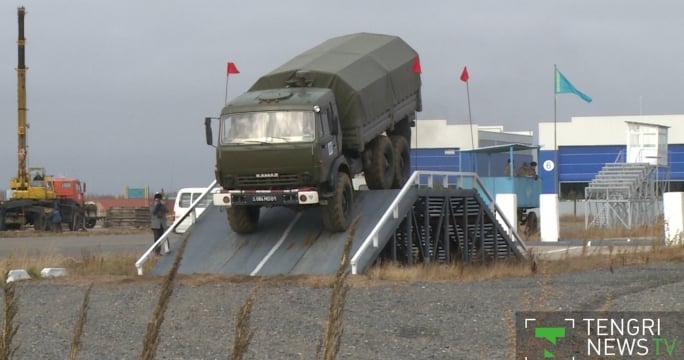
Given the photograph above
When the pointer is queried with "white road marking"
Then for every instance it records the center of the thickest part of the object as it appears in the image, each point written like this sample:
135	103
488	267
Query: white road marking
277	245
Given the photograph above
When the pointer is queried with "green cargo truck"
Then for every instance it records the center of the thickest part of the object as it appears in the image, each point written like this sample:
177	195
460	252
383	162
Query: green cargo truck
301	132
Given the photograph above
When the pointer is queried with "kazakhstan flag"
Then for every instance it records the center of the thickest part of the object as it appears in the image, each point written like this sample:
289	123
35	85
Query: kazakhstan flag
563	86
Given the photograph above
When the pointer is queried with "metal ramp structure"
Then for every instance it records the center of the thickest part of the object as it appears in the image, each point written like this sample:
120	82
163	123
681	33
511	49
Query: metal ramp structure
623	195
449	225
447	220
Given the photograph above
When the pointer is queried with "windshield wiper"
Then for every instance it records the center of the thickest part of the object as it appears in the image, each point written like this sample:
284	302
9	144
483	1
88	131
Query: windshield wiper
279	138
251	142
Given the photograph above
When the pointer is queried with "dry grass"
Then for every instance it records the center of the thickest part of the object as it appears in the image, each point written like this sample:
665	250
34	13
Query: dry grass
332	336
439	272
151	340
80	324
117	268
243	329
591	259
88	232
9	326
573	229
87	265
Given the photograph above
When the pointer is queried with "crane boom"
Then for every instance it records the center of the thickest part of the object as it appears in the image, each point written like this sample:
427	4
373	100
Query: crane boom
21	182
30	183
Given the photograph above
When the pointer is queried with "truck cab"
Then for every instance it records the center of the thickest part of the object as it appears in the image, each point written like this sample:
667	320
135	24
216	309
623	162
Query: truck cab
69	189
283	140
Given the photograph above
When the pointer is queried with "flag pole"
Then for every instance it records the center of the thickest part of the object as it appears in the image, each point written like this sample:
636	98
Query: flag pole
230	69
472	137
465	77
470	118
555	133
226	98
416	69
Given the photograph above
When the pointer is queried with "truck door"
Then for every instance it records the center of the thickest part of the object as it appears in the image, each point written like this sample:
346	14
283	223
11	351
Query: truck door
328	143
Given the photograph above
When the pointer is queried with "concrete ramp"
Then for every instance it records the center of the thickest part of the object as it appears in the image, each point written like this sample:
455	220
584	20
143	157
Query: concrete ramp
286	242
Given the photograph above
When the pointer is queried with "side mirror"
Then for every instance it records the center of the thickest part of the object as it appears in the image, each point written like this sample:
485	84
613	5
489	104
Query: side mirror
207	131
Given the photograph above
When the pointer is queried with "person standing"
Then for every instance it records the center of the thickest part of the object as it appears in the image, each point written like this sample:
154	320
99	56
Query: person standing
158	212
507	169
532	172
55	218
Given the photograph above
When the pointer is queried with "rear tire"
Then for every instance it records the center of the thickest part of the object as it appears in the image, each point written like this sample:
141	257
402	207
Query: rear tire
402	161
243	219
380	170
337	213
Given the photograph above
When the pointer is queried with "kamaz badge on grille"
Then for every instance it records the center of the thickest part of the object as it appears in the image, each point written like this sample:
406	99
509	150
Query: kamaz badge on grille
267	175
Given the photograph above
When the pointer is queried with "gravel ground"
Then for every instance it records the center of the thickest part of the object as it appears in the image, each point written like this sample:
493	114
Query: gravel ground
382	320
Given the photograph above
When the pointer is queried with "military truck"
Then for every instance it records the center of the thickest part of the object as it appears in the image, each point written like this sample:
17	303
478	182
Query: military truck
301	132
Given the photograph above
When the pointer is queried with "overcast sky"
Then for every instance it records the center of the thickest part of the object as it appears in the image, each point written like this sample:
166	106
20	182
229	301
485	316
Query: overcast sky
117	90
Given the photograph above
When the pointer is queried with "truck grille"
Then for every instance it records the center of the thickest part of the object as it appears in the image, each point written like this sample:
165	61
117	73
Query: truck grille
283	180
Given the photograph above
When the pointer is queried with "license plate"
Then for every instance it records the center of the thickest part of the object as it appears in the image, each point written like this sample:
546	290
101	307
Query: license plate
264	198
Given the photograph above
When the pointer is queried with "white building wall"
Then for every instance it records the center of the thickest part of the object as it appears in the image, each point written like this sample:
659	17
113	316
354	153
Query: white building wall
605	130
435	134
432	134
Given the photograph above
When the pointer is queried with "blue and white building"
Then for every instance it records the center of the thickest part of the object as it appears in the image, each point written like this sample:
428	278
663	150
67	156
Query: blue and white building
574	152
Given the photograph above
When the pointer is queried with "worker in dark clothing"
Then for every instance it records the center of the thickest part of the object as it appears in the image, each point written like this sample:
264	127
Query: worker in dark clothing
532	171
55	219
507	169
158	212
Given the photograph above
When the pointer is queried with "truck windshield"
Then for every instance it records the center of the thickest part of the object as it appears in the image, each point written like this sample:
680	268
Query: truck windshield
267	127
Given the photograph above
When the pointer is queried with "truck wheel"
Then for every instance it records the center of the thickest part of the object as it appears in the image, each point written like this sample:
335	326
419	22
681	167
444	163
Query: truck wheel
380	172
402	128
75	221
40	223
90	223
402	161
243	219
337	213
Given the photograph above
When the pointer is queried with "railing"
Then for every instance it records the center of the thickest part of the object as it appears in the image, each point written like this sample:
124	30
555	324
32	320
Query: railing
392	211
165	235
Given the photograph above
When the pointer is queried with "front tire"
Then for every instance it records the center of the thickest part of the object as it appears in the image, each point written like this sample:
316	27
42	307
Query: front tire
243	219
337	213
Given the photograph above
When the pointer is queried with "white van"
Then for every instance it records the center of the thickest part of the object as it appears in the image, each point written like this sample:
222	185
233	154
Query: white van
184	198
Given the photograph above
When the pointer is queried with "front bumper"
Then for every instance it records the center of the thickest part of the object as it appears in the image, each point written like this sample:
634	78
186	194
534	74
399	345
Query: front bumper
230	198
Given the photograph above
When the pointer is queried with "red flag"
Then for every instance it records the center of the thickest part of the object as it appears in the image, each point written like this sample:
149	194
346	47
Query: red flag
416	65
231	69
464	74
